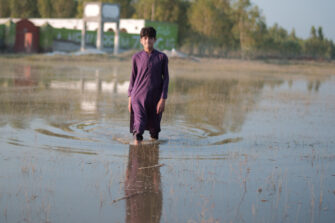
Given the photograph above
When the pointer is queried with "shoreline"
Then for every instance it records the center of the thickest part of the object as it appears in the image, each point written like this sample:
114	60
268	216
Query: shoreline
128	54
185	67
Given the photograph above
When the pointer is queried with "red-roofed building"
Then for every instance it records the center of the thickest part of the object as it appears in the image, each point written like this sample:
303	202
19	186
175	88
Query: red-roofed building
27	37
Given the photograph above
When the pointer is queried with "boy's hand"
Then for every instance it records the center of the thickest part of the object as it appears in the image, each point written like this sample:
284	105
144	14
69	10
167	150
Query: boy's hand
129	104
160	105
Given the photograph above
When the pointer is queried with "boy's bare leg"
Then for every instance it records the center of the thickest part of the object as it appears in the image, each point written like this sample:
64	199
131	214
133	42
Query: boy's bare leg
137	142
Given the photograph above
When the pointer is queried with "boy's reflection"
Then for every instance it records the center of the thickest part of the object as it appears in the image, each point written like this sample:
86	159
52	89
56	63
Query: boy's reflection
143	186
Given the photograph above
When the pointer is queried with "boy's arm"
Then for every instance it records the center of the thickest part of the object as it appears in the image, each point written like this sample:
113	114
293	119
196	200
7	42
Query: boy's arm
129	104
161	104
165	78
131	82
133	76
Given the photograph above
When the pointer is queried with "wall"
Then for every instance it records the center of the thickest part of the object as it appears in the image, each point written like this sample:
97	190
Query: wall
69	30
167	34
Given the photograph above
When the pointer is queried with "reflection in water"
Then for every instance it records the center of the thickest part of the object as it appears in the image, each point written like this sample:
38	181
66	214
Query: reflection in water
313	85
143	185
89	101
26	78
51	144
216	106
203	108
96	85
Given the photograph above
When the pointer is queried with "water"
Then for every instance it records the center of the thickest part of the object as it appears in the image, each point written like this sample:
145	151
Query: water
239	144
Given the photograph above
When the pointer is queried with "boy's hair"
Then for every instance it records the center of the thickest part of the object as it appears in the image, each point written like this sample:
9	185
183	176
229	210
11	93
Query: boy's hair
148	31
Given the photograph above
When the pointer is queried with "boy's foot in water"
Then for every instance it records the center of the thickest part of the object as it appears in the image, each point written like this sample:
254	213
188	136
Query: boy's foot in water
154	136
138	139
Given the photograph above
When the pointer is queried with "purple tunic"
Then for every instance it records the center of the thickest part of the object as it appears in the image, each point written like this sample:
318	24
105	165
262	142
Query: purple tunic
148	84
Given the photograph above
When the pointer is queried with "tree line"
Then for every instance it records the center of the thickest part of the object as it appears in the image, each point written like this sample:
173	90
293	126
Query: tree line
228	28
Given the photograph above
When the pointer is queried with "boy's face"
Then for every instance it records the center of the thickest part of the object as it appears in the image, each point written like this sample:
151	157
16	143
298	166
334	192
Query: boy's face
148	42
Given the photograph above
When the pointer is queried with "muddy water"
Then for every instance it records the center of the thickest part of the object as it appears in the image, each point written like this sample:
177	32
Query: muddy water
238	147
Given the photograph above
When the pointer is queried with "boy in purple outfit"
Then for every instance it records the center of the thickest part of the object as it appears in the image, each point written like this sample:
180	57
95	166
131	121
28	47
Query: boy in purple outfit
148	87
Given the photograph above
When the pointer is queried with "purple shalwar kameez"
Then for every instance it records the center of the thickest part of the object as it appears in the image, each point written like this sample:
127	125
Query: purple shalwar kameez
148	84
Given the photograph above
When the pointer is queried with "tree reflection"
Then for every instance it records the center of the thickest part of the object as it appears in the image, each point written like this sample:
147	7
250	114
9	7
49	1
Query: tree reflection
216	106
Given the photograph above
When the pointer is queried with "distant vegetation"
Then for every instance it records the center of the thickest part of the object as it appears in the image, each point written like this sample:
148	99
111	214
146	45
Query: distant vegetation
228	28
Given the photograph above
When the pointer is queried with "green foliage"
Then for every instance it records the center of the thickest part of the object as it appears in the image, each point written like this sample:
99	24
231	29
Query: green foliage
4	8
211	20
10	34
205	27
63	8
45	8
158	10
313	32
320	33
317	46
2	35
46	37
277	42
23	8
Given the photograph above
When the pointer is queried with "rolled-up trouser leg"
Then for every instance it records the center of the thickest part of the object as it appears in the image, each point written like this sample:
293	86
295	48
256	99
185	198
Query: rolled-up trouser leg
154	134
138	137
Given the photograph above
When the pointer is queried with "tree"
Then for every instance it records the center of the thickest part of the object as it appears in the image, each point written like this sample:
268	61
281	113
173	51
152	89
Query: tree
145	9
317	46
320	33
313	32
63	8
278	33
293	35
332	50
126	8
4	8
45	8
158	10
247	20
184	27
23	8
211	20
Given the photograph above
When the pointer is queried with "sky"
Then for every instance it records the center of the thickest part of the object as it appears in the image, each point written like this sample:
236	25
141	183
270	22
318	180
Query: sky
300	14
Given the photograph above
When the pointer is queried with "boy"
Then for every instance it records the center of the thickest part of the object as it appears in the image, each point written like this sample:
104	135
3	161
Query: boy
148	87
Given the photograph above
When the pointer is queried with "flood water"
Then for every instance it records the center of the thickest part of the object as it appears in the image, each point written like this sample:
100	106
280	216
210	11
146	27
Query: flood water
239	147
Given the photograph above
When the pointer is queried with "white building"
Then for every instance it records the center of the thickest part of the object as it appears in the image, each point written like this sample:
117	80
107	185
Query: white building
132	26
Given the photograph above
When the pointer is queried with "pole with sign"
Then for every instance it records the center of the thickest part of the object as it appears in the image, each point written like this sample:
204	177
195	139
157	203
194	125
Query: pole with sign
101	12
